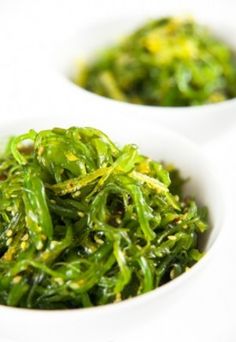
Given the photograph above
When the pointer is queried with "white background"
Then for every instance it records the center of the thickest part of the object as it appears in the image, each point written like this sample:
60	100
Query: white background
30	86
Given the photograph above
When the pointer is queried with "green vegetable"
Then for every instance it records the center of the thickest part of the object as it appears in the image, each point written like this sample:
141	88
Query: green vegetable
85	223
166	62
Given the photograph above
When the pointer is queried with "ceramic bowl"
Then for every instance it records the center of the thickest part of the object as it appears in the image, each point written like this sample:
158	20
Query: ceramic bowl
200	123
105	323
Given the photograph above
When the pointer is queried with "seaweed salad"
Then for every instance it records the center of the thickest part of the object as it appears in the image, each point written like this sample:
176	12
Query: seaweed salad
167	62
84	222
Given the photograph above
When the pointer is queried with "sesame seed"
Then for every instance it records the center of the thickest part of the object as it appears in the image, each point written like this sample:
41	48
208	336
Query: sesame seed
16	279
25	237
74	286
53	244
39	245
81	214
9	233
59	281
172	237
9	241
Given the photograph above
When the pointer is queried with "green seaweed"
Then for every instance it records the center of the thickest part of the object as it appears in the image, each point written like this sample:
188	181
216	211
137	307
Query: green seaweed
85	223
166	62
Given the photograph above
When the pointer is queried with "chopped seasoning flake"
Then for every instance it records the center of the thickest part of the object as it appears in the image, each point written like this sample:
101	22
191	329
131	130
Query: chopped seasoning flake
166	62
92	223
16	279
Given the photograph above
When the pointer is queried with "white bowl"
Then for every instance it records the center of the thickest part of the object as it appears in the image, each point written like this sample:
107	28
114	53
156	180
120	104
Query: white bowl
200	123
105	323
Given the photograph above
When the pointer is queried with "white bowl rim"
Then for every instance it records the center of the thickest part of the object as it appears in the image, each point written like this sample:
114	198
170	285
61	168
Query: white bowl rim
228	103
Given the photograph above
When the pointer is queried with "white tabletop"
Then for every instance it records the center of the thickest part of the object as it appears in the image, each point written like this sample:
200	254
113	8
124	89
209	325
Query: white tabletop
28	32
